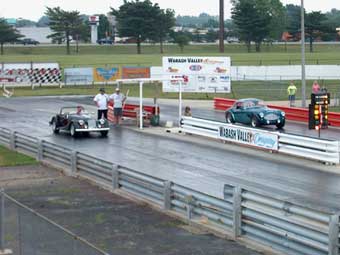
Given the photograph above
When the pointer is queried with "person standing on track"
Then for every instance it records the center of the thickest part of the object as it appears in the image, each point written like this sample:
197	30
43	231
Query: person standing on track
101	101
118	101
291	93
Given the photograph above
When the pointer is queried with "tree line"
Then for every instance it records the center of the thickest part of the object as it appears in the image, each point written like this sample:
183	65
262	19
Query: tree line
252	22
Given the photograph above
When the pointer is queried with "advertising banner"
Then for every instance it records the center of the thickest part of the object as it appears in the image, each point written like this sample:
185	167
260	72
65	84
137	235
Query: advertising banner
200	74
78	75
135	72
257	138
106	75
35	73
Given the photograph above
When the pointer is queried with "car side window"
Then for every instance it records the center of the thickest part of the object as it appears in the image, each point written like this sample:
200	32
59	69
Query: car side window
239	105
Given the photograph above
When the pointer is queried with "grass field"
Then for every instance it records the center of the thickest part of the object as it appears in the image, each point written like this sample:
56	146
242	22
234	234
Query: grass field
100	56
124	55
12	158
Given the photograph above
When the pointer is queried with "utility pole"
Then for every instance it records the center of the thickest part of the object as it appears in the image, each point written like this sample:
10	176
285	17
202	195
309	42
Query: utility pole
303	57
221	33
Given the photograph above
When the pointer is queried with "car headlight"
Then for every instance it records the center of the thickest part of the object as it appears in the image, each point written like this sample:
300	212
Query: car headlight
102	121
81	122
261	114
283	114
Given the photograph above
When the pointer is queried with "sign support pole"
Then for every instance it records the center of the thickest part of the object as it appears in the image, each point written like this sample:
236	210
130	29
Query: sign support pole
180	104
140	105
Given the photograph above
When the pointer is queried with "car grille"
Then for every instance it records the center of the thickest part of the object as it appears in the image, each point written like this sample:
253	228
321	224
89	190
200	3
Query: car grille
92	123
271	116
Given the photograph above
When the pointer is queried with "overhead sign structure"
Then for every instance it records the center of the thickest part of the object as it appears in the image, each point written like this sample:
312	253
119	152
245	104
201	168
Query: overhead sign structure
200	74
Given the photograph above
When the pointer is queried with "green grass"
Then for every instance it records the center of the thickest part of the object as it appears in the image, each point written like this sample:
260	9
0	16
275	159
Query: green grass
101	56
12	158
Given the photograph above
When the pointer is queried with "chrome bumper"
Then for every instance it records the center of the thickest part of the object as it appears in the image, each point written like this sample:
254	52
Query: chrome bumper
92	129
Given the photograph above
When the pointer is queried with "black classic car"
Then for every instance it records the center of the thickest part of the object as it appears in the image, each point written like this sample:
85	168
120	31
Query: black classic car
76	120
254	112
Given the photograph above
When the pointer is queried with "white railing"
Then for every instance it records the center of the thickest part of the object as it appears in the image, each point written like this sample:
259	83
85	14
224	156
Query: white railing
307	147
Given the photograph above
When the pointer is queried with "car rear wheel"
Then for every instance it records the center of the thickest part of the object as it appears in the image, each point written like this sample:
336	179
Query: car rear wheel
104	133
73	130
229	118
54	127
254	122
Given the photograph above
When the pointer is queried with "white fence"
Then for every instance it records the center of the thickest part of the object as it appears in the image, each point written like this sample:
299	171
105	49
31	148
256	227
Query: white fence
284	72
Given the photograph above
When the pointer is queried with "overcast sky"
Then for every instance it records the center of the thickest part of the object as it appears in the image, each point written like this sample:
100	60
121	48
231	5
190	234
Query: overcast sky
34	9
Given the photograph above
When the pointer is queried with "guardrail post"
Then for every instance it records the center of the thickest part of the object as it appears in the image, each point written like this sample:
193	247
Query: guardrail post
167	195
333	245
190	201
40	150
74	162
2	220
12	145
237	214
115	177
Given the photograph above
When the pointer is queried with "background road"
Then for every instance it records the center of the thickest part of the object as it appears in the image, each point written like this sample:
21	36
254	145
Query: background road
204	165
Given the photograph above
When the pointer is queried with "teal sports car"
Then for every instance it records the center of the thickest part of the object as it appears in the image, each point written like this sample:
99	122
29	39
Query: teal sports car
252	111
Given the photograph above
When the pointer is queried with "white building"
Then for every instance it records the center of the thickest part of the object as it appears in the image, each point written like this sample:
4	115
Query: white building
37	33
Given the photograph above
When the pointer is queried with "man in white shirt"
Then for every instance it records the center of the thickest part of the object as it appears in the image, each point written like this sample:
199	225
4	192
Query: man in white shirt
101	101
118	101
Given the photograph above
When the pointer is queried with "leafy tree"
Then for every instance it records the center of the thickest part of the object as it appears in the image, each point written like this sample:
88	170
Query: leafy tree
43	21
162	25
332	22
278	21
211	36
203	20
104	28
314	26
244	15
136	19
255	20
182	40
212	23
293	20
64	24
25	23
8	34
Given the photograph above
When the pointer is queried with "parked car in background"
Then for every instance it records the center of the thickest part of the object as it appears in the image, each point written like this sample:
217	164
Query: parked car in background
254	112
28	41
76	120
105	41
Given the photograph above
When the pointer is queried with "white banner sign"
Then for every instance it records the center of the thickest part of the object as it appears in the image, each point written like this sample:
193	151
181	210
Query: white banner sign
250	137
200	74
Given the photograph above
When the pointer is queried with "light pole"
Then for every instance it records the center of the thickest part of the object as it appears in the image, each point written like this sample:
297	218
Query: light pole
221	33
303	57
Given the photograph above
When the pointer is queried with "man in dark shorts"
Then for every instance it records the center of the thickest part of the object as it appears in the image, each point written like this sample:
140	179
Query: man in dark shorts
118	101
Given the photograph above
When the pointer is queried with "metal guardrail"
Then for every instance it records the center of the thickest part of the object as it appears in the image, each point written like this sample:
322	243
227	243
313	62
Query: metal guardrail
301	146
246	212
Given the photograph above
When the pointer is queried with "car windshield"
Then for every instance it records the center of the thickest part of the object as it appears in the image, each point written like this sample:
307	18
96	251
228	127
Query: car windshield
74	110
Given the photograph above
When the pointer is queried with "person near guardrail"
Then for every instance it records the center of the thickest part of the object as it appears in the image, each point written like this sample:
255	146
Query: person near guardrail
187	111
315	87
101	100
291	93
118	101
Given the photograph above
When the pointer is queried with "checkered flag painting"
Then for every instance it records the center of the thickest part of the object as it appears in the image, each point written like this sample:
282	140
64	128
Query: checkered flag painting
45	75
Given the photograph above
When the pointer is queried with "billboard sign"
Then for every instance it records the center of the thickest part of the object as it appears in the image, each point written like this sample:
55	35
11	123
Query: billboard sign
200	74
78	75
105	75
256	138
135	72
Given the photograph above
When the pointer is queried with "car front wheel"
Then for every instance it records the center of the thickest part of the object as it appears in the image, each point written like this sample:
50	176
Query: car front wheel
73	130
54	127
280	125
229	118
254	122
104	133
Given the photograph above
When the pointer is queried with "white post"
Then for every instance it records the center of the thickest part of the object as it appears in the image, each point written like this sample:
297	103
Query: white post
180	104
140	105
